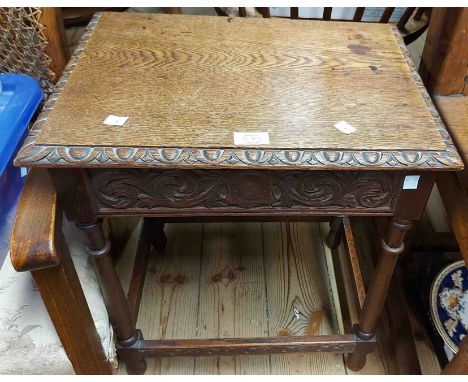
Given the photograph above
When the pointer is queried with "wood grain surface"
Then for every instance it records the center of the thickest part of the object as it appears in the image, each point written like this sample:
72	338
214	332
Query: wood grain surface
32	242
170	299
454	111
38	245
198	254
232	294
445	55
221	280
297	293
454	187
190	81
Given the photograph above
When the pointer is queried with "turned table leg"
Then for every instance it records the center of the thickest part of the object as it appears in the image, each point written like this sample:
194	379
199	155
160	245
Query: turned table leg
116	302
391	246
334	235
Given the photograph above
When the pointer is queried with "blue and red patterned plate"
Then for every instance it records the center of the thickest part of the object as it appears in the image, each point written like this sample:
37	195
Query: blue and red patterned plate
449	303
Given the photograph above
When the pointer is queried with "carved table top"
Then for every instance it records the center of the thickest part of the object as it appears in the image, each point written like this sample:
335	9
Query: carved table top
187	83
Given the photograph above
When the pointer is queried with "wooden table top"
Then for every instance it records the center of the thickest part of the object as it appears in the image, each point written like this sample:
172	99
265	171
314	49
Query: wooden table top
187	83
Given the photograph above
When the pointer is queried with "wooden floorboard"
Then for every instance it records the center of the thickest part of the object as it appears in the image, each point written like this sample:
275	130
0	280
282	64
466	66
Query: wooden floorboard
243	280
297	295
232	294
170	297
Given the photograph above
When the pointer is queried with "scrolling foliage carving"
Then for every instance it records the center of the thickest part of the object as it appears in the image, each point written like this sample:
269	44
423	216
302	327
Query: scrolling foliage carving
221	189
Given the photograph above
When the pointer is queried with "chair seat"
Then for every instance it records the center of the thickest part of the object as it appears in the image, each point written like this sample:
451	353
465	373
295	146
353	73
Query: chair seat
29	343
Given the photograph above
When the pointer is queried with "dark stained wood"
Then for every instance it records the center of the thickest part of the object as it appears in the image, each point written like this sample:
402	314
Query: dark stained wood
72	187
396	311
377	291
265	11
334	235
80	15
410	206
359	13
403	343
32	243
392	246
57	47
405	17
38	245
386	15
294	12
411	203
419	13
456	203
459	364
243	346
435	242
245	218
173	10
444	59
116	302
202	192
327	12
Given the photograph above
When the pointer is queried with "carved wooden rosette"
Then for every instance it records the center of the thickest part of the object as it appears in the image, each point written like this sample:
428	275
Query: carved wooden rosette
204	192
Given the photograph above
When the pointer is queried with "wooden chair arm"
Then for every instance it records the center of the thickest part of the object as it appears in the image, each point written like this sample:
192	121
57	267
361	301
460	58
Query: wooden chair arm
32	242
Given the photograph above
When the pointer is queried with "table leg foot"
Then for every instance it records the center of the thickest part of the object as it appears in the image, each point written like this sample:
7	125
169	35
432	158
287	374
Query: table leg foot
134	361
366	343
334	236
356	361
136	364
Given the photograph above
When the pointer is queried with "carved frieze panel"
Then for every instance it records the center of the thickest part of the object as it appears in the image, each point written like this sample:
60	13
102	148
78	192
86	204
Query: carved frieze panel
250	190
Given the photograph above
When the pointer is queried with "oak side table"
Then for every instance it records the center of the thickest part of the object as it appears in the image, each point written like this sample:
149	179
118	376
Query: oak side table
234	118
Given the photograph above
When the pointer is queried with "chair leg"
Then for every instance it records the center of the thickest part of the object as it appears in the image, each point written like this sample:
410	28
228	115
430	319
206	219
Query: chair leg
64	299
459	364
116	302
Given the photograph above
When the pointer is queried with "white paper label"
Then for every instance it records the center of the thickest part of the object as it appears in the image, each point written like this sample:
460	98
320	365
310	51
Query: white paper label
411	182
345	127
115	120
242	138
23	171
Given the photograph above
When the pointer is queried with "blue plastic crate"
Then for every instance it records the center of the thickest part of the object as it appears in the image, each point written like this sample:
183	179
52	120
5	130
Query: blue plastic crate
20	96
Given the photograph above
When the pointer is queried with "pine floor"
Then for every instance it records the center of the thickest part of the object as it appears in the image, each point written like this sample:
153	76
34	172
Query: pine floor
244	280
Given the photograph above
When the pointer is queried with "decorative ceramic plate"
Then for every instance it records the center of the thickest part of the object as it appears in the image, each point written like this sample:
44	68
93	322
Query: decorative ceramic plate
449	303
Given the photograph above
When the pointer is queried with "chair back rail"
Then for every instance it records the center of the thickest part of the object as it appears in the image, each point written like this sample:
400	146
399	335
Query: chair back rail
358	14
417	14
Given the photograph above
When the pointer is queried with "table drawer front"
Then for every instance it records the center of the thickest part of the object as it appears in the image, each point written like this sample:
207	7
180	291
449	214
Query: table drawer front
208	192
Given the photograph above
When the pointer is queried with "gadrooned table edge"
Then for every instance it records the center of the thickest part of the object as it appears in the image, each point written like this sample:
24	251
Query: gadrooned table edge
36	155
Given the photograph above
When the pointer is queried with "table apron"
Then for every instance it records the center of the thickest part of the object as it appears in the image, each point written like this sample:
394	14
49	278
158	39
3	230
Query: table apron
234	193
